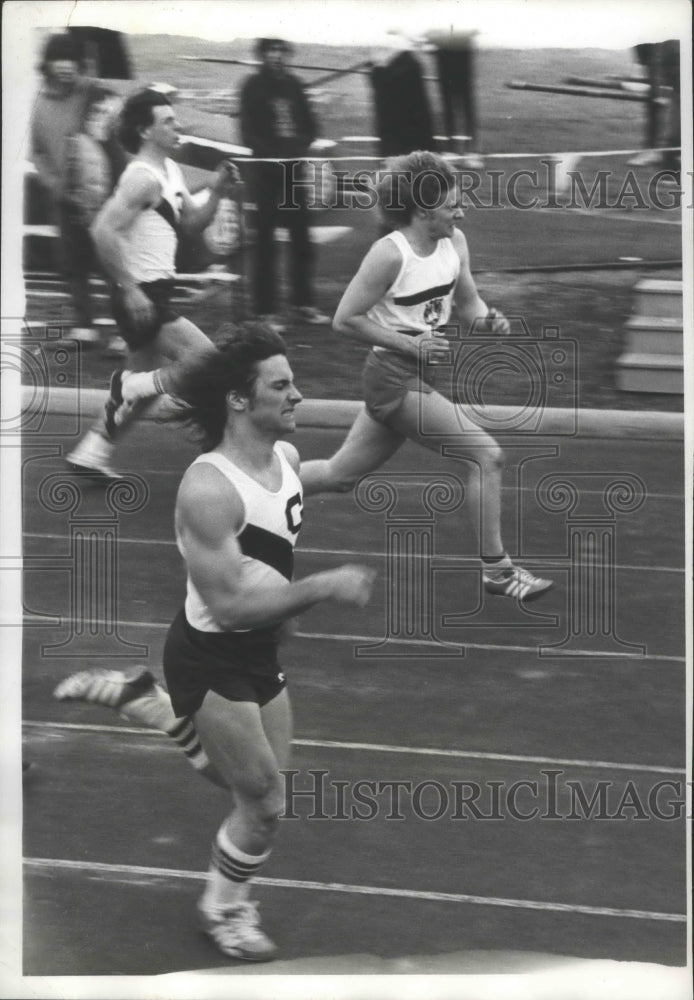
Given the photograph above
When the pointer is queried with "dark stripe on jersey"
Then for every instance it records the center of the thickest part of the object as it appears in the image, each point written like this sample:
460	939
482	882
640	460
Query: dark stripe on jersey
258	543
419	297
167	213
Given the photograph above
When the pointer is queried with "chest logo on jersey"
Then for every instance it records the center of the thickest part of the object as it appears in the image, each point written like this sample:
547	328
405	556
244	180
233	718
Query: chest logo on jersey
294	512
432	312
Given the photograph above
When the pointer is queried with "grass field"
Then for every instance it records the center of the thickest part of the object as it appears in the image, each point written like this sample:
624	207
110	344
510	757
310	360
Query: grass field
511	121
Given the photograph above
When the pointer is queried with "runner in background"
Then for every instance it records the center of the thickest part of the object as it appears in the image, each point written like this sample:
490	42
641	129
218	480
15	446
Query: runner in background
399	303
136	236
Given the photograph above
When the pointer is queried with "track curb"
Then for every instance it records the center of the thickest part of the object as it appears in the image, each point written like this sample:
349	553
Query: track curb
339	414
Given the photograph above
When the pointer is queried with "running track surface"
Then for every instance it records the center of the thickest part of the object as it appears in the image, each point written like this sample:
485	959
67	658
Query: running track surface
118	827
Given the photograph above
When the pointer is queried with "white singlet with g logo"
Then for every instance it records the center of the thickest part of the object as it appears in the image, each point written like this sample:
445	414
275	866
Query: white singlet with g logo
421	297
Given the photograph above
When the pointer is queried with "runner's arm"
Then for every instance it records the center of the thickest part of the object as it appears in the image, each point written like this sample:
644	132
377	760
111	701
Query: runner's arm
377	272
209	515
135	193
195	218
468	302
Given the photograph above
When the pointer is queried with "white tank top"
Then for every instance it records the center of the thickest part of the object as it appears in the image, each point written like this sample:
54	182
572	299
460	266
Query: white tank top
420	298
267	536
152	240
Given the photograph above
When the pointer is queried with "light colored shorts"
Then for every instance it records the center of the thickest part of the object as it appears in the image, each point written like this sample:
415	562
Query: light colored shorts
387	377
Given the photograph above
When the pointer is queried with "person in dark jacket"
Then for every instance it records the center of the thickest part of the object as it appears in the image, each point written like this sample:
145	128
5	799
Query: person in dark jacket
660	63
401	106
277	123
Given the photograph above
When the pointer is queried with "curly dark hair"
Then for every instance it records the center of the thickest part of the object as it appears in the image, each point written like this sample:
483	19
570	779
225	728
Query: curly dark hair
136	115
232	366
59	47
419	180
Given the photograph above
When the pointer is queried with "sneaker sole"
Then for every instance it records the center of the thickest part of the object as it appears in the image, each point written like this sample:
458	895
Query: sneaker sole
240	956
524	600
207	929
97	474
113	403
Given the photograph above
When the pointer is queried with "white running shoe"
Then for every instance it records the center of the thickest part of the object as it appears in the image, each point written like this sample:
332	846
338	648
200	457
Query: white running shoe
515	582
310	315
112	688
647	158
116	347
82	335
236	931
92	455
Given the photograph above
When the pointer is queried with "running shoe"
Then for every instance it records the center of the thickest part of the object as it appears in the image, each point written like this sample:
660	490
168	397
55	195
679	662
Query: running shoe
647	158
114	402
515	582
82	335
113	688
116	347
236	931
91	457
310	315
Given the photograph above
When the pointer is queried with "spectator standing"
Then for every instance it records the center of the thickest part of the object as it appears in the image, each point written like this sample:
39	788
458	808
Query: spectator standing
278	124
401	107
58	113
660	64
94	160
455	60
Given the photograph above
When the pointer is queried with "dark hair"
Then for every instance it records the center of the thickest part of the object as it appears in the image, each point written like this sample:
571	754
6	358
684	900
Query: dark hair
418	180
59	48
262	45
232	366
137	114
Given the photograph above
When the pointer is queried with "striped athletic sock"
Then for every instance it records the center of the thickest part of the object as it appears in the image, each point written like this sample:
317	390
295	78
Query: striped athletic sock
156	378
185	736
229	873
154	710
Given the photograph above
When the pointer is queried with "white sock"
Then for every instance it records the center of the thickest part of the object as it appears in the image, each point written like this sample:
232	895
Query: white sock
229	874
141	385
493	565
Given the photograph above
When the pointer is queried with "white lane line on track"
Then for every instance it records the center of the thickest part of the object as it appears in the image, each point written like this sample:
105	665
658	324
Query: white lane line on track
384	748
491	647
409	483
551	562
373	640
138	871
610	214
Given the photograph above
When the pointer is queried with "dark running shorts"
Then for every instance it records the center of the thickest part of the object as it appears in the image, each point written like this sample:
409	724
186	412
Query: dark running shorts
159	293
239	666
386	379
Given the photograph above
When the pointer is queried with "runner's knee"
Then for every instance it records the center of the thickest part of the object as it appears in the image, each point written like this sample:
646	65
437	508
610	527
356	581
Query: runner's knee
492	458
262	798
